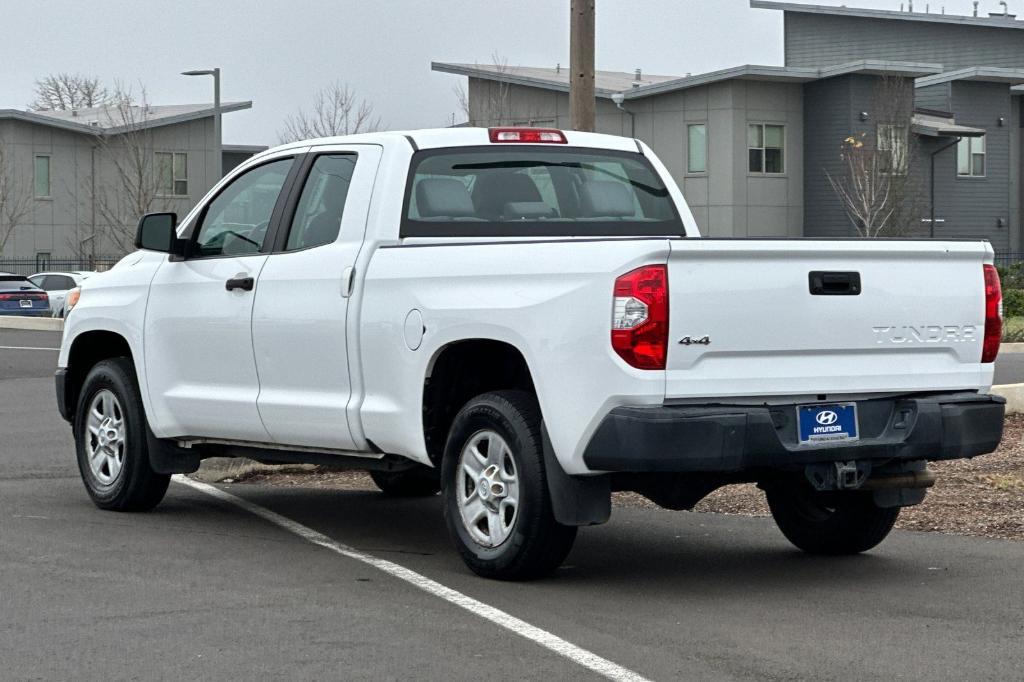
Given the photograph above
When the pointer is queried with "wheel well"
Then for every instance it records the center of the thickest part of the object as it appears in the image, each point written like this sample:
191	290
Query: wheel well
86	350
461	371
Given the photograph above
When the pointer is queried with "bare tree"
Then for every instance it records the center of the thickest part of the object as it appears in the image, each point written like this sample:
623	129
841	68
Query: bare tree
134	184
336	111
63	91
879	181
15	197
492	103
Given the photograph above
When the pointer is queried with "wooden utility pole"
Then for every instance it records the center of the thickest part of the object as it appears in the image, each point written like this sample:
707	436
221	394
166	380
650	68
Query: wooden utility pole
581	64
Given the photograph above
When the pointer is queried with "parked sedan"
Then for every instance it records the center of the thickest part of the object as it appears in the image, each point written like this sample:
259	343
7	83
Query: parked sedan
57	285
19	296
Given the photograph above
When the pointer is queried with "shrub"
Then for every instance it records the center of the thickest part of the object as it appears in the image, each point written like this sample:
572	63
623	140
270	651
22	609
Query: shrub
1013	302
1011	276
1013	330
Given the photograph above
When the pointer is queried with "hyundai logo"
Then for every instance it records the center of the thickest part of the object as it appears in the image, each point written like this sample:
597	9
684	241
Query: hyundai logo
827	417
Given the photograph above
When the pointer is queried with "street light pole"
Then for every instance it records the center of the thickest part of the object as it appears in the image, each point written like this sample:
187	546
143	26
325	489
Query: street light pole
218	155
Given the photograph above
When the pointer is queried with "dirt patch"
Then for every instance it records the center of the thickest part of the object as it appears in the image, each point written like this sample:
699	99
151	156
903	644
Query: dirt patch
983	496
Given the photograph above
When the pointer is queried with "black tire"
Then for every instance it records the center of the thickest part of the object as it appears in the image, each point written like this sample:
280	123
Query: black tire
834	523
421	481
536	543
135	487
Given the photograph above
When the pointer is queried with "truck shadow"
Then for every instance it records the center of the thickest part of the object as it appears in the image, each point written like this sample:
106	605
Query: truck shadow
670	552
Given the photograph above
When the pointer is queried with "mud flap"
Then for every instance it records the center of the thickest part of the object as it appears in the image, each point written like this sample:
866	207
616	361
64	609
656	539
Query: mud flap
167	458
575	500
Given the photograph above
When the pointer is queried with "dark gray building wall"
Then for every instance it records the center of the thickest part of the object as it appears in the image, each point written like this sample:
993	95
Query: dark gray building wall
819	40
933	97
972	207
832	110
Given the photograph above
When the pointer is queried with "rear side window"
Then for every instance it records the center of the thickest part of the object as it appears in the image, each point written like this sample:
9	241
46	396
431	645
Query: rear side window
15	283
512	190
318	214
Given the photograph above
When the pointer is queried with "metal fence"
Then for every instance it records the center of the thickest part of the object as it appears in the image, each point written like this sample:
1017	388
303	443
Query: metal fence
1009	258
30	266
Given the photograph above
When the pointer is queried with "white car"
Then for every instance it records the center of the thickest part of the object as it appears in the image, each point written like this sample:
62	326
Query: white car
57	285
527	320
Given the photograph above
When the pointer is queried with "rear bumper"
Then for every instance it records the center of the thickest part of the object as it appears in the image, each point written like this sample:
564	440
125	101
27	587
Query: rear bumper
729	438
26	312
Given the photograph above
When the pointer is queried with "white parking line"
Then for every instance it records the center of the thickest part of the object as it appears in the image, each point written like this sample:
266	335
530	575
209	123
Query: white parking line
546	639
55	350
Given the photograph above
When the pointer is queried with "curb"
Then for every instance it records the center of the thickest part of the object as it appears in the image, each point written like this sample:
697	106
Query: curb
43	324
1014	394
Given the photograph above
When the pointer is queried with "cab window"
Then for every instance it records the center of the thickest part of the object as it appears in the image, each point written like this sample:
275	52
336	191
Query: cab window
235	223
319	211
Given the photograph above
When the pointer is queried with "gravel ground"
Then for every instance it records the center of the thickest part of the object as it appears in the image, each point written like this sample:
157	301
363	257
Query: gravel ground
983	496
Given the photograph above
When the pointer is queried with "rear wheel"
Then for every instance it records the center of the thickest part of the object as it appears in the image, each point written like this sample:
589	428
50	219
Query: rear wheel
831	523
111	440
420	481
496	501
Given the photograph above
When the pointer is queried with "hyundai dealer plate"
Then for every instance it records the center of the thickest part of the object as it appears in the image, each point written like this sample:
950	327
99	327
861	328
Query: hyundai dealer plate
827	424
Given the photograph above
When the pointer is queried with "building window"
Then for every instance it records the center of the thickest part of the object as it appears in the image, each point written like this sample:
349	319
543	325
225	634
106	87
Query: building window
697	148
892	145
970	157
172	173
42	177
766	146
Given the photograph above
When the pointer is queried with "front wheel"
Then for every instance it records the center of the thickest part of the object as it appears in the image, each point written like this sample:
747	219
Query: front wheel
111	440
496	501
832	523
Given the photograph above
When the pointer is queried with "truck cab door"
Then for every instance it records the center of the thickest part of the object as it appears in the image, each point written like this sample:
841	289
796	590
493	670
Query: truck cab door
201	372
303	296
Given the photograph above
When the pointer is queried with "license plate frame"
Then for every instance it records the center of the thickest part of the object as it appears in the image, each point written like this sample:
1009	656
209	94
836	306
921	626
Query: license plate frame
25	303
827	424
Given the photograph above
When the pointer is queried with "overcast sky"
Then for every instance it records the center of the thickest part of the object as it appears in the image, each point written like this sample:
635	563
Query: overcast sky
278	53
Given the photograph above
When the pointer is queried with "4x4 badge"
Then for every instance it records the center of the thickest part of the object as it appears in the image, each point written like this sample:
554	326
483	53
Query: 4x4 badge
690	341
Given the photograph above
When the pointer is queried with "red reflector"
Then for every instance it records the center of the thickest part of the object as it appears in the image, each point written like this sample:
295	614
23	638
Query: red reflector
993	315
640	317
531	135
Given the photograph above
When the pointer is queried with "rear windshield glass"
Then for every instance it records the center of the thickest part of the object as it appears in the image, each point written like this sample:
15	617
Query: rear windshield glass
536	191
15	283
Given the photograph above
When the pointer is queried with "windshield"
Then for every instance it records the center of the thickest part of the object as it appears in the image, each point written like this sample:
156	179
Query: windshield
536	191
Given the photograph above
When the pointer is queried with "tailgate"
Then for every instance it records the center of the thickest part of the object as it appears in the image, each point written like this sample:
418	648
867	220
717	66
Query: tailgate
744	322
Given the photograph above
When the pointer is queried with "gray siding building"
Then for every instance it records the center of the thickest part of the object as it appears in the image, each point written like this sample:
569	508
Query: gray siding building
753	147
86	175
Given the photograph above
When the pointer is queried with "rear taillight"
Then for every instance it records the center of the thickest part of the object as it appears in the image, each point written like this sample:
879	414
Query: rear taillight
25	296
640	317
993	315
531	135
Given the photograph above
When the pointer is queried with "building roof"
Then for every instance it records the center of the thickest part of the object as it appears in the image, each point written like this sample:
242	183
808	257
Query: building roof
865	13
605	82
608	83
940	124
110	121
244	148
987	74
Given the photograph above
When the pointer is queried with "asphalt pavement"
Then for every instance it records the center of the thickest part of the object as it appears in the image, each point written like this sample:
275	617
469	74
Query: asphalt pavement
202	589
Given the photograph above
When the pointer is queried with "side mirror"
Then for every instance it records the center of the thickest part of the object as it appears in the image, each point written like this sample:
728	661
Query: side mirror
157	232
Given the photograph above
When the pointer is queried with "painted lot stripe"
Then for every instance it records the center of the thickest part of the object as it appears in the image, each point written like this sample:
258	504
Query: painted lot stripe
546	639
55	350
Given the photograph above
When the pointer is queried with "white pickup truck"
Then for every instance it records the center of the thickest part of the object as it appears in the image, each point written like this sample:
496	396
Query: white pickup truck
527	320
